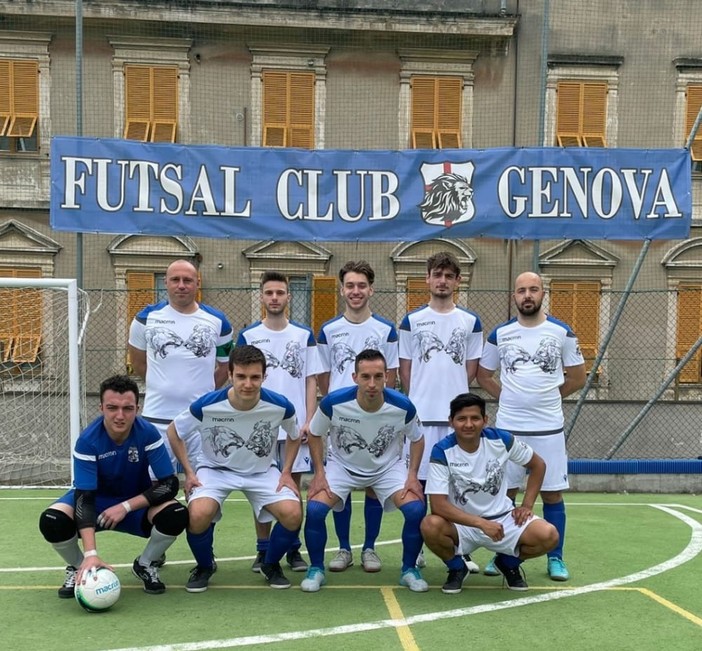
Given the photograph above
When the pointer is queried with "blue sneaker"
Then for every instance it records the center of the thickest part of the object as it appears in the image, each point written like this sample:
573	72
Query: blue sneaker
314	580
490	569
557	569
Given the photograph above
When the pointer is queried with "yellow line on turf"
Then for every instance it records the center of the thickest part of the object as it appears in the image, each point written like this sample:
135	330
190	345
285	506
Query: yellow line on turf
669	604
403	632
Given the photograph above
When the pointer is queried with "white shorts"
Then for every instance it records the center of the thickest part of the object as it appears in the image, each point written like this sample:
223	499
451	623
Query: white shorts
470	538
432	435
259	488
193	445
552	449
385	485
303	460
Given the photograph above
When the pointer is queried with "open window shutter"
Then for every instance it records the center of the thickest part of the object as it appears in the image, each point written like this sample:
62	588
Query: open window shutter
594	114
4	97
22	320
694	102
7	315
164	104
688	330
448	114
417	293
137	102
423	112
324	297
141	292
25	99
586	323
275	108
301	107
568	107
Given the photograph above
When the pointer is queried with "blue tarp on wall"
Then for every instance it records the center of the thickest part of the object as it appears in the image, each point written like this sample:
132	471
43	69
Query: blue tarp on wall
123	186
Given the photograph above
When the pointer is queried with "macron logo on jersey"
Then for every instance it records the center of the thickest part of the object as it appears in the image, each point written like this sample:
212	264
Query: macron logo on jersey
111	453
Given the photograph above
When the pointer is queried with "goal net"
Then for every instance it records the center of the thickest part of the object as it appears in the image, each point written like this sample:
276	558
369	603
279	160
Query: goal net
42	379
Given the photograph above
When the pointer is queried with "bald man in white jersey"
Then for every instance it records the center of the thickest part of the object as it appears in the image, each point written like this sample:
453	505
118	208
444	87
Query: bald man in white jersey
540	364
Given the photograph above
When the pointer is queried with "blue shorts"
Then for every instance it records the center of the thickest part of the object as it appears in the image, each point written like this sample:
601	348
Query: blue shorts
133	523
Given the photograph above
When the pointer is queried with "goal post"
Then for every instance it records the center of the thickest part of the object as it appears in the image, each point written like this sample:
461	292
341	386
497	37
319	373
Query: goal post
42	379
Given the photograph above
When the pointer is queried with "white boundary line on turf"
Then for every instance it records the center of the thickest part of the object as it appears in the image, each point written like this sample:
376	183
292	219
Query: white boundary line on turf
693	548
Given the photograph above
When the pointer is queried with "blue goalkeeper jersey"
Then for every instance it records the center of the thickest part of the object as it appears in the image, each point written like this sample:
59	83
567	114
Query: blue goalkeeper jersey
119	470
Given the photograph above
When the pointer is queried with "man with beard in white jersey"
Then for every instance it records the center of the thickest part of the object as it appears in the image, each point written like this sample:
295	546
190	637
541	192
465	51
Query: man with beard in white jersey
440	344
339	341
540	364
292	366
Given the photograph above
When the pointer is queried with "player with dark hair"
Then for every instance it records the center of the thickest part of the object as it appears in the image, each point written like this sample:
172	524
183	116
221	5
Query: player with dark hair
339	341
540	364
238	427
440	344
468	497
112	489
292	366
367	424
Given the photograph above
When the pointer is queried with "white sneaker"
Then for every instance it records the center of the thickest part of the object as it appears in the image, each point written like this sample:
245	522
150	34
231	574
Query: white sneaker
421	562
342	560
370	561
472	566
412	578
313	581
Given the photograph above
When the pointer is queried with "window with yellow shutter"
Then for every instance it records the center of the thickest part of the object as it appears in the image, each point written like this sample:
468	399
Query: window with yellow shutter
581	114
19	106
436	112
578	305
692	108
151	103
324	301
689	327
21	319
288	109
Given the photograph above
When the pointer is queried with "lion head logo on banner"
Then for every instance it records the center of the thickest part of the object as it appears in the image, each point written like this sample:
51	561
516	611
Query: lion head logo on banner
448	195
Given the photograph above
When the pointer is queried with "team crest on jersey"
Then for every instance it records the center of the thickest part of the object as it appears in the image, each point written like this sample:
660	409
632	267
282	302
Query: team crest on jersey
161	340
133	454
292	361
547	356
448	194
429	344
347	438
341	355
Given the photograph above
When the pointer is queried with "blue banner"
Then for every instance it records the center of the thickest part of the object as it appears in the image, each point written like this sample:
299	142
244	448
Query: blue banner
123	186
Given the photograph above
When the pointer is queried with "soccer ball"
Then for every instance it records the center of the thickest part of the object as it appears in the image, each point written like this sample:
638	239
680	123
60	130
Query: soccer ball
100	590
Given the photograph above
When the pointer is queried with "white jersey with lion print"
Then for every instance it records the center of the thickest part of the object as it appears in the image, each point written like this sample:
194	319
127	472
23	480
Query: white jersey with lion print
365	443
439	344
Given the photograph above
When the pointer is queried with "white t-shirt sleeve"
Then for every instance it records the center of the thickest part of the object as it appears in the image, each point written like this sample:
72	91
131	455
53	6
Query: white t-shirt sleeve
474	347
290	427
490	359
412	430
572	356
186	425
520	453
405	347
320	423
438	480
136	335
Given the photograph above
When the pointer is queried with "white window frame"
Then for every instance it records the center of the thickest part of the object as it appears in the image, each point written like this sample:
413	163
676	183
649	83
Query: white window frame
595	70
288	59
33	46
436	63
152	52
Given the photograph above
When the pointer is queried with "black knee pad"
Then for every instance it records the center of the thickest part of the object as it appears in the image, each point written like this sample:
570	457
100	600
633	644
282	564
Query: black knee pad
172	520
56	526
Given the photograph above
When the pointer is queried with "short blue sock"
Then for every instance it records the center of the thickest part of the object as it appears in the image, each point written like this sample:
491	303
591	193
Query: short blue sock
201	546
555	514
316	532
280	542
373	515
411	535
342	525
509	561
455	563
262	544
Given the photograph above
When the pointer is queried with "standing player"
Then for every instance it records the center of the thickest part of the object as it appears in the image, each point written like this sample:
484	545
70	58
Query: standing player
112	489
440	344
469	503
180	347
238	427
367	424
339	341
540	364
292	364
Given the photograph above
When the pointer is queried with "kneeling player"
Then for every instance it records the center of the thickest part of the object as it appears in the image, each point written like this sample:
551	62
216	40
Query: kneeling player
468	498
113	490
